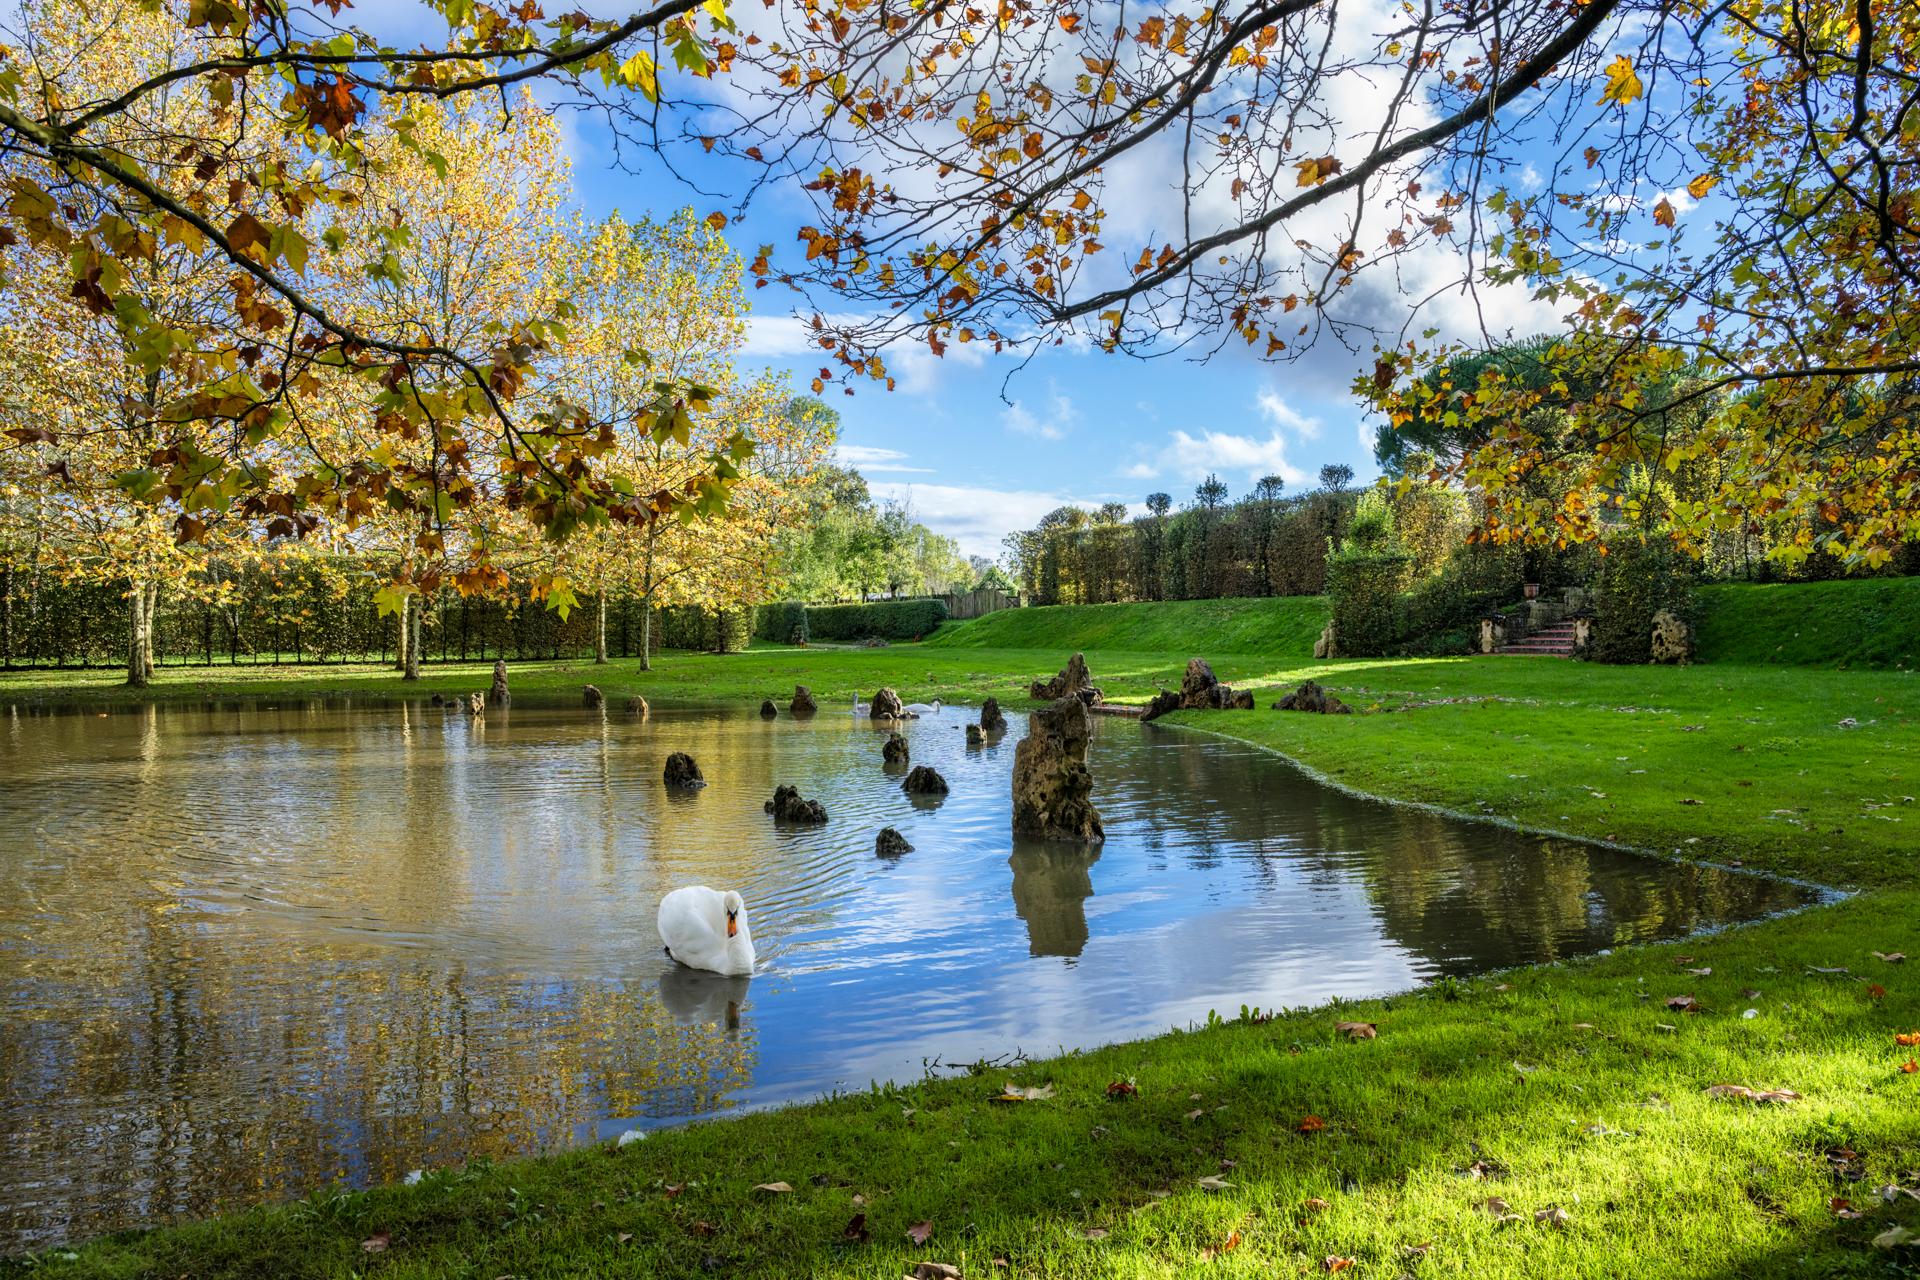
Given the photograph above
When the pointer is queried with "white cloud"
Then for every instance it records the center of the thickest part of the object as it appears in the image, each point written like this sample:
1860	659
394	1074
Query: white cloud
977	518
1060	416
1285	416
915	369
1194	457
866	457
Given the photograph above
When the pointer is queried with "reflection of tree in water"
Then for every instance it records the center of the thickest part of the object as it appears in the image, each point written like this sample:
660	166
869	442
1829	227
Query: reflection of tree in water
1051	885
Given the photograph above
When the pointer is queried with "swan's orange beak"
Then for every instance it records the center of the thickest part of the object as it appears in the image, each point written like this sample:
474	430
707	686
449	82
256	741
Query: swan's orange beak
733	924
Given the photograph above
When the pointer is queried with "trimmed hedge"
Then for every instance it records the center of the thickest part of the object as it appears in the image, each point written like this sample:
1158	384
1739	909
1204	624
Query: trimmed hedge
783	622
1635	581
1363	590
886	619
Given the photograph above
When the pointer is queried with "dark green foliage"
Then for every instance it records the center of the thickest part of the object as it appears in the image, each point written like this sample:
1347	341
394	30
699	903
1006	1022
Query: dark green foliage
1363	592
1635	580
885	619
783	622
1871	623
1282	628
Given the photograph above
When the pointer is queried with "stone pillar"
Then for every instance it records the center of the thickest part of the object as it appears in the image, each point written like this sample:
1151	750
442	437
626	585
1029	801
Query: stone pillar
1052	788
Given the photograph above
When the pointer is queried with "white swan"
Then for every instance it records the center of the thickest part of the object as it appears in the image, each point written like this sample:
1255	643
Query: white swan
924	708
706	929
858	707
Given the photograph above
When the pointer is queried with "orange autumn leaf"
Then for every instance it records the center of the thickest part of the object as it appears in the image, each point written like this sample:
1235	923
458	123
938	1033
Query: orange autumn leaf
1311	1124
1906	1038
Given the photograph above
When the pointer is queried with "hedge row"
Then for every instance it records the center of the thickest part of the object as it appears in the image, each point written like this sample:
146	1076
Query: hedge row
882	619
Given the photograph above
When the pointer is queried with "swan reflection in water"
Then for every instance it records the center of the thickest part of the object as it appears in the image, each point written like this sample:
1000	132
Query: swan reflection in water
694	997
1051	885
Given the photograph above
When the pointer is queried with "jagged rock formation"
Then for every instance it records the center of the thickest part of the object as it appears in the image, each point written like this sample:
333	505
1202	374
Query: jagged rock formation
886	706
803	703
1200	690
1052	789
924	781
890	843
591	697
637	706
477	706
498	696
788	805
1074	681
681	771
1311	697
1326	646
1672	639
894	753
767	710
976	737
991	718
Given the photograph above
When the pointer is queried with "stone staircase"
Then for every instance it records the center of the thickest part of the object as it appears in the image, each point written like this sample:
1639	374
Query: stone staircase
1555	641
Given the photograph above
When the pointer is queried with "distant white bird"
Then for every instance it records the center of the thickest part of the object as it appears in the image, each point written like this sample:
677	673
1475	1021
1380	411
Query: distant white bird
858	706
924	708
706	929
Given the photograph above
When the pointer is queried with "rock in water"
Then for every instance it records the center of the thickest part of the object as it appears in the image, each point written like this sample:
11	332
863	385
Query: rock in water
437	701
924	781
1074	681
890	843
788	806
802	704
1052	789
894	753
637	706
1164	701
767	710
887	706
1311	697
498	696
591	697
681	771
990	718
477	705
976	737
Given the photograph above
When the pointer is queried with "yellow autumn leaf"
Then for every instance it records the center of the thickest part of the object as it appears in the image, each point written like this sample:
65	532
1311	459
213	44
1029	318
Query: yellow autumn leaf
1699	187
1623	86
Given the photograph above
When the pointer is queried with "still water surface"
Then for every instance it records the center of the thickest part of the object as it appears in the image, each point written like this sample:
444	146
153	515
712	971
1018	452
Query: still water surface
247	952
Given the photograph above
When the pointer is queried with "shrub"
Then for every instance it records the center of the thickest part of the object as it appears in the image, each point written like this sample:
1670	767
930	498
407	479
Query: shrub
1637	579
1363	591
886	619
783	622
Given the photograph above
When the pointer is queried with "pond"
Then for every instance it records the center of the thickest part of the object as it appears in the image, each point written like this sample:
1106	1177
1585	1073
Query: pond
246	952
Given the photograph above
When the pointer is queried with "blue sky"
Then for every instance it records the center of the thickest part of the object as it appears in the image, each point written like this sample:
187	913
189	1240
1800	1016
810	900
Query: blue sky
1073	426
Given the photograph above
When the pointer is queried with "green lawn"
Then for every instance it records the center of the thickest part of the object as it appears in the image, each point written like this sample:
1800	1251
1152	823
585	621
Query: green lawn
1573	1087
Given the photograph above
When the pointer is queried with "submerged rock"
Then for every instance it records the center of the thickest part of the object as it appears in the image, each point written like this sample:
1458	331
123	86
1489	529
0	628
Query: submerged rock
976	737
767	710
591	697
1052	788
924	781
886	706
681	771
498	695
437	701
991	718
1200	690
788	805
890	843
1311	697
803	703
637	706
894	753
477	706
1074	681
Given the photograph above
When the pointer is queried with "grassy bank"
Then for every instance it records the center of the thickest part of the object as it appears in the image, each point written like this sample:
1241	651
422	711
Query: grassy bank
1870	623
1573	1088
1281	627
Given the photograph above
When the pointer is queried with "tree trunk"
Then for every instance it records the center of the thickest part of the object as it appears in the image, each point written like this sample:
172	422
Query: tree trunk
646	632
153	616
138	672
410	630
600	632
404	617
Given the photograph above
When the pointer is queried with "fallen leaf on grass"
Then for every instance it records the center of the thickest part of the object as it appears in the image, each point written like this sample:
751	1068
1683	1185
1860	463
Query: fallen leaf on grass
1335	1263
1906	1039
1751	1095
1891	957
1893	1191
703	1228
1228	1245
1814	968
1311	1124
1122	1089
1685	1004
1029	1093
1689	800
934	1271
1843	1208
1357	1030
623	1237
1552	1216
856	1229
1665	1026
1415	1252
920	1232
1701	973
1893	1238
674	1188
1196	1113
1499	1208
377	1242
1749	993
775	1187
1909	1066
1316	1205
1876	992
1213	1183
1095	1233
